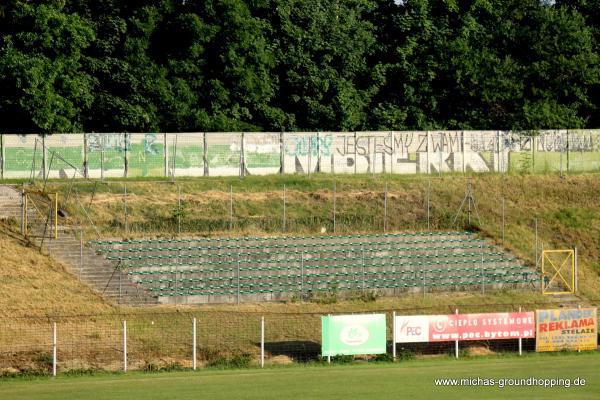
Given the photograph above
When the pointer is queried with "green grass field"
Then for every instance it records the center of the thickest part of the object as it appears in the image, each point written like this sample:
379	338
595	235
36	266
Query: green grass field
410	379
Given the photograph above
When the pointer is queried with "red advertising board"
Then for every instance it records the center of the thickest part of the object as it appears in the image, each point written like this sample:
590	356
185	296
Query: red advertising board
489	326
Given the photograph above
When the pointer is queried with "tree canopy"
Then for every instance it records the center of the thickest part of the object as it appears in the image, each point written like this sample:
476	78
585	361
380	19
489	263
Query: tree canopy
273	65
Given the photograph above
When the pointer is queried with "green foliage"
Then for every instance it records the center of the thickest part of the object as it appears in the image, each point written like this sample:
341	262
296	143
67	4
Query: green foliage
43	86
239	65
386	357
574	217
330	296
43	361
235	361
403	354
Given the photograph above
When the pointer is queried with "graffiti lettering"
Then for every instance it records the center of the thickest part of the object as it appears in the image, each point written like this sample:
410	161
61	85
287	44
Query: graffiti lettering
303	145
108	141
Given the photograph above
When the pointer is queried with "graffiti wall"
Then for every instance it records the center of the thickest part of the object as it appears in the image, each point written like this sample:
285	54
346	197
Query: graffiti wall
104	155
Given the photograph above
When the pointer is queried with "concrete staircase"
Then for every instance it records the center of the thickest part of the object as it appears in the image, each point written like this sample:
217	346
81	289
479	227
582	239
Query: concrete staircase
101	275
10	203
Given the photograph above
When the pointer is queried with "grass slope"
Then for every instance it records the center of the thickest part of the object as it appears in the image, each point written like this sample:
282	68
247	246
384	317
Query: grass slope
34	285
414	380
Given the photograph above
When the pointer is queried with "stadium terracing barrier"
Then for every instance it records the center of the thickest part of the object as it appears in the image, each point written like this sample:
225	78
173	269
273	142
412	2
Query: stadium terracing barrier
103	155
228	270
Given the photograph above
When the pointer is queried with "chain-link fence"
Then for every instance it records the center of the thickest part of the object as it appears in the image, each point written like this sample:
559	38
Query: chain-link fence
203	339
104	155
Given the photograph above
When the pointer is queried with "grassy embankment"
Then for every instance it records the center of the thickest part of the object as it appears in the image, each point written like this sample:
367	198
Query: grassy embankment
567	209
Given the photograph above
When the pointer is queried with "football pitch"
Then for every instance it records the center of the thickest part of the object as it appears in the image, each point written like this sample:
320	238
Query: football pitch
556	376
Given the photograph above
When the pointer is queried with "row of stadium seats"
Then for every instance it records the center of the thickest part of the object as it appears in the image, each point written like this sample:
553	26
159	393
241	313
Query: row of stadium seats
416	274
282	263
347	284
326	245
126	260
130	242
296	266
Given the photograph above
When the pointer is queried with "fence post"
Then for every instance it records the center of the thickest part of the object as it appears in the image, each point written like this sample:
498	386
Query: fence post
464	166
54	349
166	159
394	335
120	287
102	137
85	157
178	210
374	163
284	205
194	344
355	153
45	169
205	154
482	272
363	271
575	277
385	201
301	276
262	342
520	340
318	167
456	342
23	211
174	157
428	151
125	209
56	215
428	200
230	207
334	190
242	157
441	155
533	143
568	158
80	251
124	346
561	154
393	146
498	158
329	357
126	154
238	281
309	154
503	219
281	153
2	155
536	243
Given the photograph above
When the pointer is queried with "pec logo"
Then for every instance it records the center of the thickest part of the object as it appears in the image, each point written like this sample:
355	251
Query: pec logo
413	330
410	330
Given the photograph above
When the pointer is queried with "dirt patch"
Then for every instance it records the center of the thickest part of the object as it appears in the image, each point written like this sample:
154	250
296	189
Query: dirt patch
480	351
281	360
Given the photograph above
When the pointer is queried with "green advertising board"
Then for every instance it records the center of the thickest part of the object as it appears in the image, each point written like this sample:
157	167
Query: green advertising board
353	334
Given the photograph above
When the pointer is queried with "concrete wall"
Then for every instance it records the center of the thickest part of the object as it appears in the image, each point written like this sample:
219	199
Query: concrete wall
100	155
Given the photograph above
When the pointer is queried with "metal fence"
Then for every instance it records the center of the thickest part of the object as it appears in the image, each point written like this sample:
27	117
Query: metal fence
195	339
105	155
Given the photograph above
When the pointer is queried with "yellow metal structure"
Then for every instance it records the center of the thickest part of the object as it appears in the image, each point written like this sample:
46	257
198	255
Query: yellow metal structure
558	272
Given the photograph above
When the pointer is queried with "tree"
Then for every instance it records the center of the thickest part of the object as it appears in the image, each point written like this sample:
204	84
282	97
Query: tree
321	48
43	87
219	64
